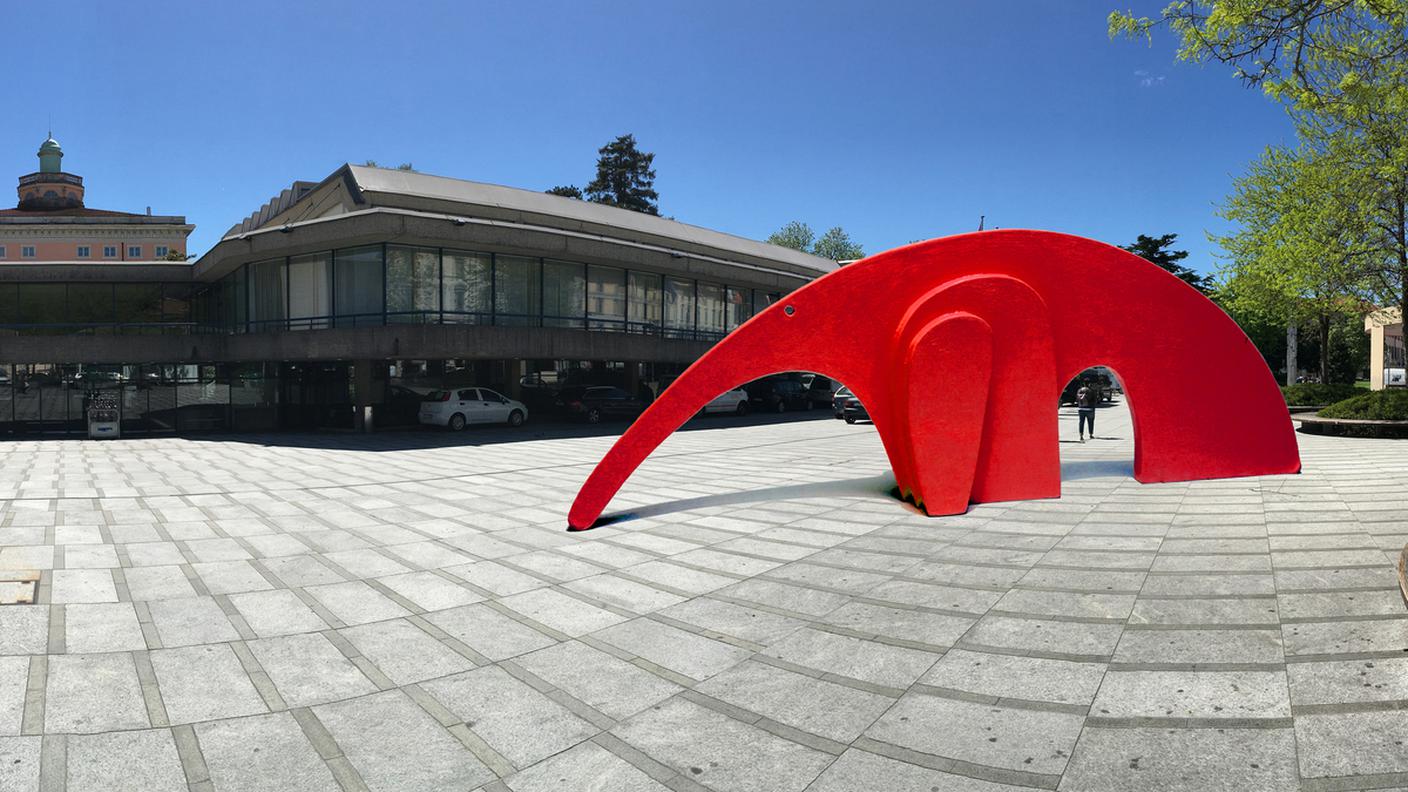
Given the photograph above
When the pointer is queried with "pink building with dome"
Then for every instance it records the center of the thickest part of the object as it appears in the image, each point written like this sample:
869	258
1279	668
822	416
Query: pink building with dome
50	223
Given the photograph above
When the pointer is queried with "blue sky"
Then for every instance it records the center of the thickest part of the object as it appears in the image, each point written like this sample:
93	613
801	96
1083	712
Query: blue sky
896	121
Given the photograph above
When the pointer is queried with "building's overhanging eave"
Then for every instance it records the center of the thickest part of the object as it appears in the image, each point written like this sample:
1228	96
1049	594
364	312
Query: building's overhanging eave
212	259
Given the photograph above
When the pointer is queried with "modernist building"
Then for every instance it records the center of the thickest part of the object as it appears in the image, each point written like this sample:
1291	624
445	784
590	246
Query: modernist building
347	299
51	222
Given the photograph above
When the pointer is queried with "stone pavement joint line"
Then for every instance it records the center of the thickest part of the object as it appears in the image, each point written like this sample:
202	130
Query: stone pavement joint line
407	612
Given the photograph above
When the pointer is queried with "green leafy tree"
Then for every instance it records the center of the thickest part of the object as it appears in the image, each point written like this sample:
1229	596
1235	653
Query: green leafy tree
1334	58
837	245
624	177
566	191
1158	251
1340	68
796	235
1302	250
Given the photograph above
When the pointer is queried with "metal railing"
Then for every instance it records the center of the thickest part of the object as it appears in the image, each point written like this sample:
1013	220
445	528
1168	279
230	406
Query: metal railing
607	324
110	328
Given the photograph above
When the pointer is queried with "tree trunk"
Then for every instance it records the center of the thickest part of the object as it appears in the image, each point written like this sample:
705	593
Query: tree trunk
1291	363
1324	347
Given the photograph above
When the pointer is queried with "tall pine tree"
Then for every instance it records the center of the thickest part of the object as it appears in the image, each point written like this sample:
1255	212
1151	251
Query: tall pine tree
624	177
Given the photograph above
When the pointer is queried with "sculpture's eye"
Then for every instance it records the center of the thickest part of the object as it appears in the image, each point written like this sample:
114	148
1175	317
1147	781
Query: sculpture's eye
789	310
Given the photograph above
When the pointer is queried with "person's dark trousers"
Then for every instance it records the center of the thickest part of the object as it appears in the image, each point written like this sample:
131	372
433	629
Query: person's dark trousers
1087	416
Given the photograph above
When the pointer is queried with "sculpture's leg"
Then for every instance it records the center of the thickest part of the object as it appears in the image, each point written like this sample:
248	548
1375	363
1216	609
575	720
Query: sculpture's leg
948	369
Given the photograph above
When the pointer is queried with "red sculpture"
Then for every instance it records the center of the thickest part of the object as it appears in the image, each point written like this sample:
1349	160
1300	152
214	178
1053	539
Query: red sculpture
959	348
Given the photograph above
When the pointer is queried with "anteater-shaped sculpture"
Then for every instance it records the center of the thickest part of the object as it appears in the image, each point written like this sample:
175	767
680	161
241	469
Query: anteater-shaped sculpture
959	348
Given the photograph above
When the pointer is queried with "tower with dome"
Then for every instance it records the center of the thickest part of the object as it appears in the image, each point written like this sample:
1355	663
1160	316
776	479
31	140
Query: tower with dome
51	222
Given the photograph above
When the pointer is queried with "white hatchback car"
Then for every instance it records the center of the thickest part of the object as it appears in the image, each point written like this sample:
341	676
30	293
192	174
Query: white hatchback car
734	401
459	407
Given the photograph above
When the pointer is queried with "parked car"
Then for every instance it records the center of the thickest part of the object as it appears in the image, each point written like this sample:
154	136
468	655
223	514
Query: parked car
821	389
855	411
838	402
400	407
778	395
462	406
598	402
734	401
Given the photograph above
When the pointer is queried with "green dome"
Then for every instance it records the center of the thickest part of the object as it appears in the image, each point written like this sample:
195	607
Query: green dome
50	156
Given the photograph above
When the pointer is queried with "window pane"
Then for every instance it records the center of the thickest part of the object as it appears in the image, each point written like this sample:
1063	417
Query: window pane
309	291
138	304
606	298
467	287
762	299
238	300
679	307
711	308
266	295
9	307
43	303
176	301
412	285
564	294
740	306
358	294
517	299
90	303
644	302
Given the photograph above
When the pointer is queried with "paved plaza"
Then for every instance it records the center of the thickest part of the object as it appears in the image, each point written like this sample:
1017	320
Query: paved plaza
406	612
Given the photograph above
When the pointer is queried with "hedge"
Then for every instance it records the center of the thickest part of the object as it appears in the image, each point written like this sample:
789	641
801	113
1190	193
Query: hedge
1318	393
1384	405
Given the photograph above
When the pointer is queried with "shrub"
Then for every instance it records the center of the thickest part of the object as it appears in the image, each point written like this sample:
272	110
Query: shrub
1318	393
1384	405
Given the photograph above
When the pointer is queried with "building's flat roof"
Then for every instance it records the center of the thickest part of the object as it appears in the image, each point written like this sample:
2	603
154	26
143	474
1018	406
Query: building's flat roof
85	215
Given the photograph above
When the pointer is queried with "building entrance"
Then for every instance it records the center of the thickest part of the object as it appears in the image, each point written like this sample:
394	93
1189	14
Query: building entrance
315	396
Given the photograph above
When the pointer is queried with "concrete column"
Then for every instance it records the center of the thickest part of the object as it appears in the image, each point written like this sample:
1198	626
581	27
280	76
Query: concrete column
362	395
1376	357
517	369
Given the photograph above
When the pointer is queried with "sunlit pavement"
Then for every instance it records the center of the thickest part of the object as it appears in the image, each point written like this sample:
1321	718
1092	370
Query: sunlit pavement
407	613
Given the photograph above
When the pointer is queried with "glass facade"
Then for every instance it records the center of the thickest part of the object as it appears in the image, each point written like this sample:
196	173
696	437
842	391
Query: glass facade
606	298
518	282
467	293
412	285
647	303
564	294
310	292
377	285
679	310
359	279
267	305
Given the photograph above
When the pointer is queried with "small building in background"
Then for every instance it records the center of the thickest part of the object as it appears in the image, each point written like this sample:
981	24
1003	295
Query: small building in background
51	223
1387	362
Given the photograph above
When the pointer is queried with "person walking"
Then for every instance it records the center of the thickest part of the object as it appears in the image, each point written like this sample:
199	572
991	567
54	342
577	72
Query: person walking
1085	406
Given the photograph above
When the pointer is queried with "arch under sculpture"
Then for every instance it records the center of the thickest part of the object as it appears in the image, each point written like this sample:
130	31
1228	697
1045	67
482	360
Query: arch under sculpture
959	347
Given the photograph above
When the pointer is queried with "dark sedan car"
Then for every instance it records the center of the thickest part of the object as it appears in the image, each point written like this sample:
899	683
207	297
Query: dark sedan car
855	411
598	402
778	395
838	402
